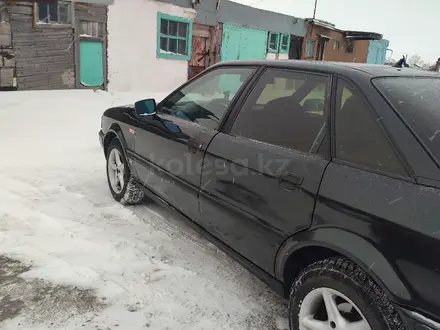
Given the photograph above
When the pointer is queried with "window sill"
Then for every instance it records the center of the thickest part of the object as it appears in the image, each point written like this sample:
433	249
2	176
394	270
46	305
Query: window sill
54	26
173	56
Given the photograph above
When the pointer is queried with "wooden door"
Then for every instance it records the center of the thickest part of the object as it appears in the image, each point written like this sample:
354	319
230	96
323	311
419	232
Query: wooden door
198	54
201	42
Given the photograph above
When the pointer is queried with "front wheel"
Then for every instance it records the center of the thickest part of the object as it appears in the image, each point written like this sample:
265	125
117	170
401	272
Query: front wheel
123	186
336	294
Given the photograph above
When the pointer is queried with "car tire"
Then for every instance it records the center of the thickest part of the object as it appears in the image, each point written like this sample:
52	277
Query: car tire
130	192
341	287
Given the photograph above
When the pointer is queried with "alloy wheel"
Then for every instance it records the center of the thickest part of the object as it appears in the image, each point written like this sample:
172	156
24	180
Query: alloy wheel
328	309
116	171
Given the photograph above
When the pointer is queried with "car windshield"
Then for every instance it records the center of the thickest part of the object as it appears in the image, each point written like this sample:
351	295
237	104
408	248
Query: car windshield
418	102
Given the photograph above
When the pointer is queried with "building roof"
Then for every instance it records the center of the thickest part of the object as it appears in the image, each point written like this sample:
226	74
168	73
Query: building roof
211	12
358	35
370	70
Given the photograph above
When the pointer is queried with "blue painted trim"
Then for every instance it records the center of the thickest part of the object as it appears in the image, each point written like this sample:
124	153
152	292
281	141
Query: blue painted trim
188	38
286	50
273	50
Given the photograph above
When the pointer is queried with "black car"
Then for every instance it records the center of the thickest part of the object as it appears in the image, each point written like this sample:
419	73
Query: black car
322	179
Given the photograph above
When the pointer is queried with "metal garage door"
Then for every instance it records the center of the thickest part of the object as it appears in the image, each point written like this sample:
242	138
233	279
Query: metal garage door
242	43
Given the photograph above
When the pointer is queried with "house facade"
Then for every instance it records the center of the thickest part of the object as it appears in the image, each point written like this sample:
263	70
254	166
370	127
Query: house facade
174	40
50	44
149	45
156	45
225	30
324	42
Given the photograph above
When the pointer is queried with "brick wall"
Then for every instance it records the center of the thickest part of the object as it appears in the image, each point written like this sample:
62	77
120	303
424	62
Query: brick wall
7	61
360	47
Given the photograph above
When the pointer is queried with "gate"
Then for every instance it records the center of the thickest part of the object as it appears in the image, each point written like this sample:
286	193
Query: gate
243	43
377	51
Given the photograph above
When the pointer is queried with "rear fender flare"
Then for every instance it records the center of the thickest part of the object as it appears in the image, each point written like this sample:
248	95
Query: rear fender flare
352	246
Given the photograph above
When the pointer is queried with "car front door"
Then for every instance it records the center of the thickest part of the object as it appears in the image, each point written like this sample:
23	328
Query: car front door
262	173
170	145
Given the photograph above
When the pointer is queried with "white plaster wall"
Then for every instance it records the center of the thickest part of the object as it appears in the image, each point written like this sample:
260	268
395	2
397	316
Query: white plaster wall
132	42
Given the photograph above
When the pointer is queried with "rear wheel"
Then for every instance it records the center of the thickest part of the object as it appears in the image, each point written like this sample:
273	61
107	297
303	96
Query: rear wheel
123	186
336	294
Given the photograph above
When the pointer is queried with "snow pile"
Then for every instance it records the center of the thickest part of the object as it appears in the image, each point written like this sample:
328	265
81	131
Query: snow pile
57	214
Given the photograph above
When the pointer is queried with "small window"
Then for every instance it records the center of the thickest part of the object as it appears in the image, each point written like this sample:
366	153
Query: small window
284	43
274	41
91	29
206	100
174	37
349	45
50	12
286	109
359	137
336	44
310	48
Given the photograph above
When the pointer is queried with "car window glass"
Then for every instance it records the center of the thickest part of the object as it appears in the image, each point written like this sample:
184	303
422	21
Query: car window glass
205	100
286	109
417	100
359	138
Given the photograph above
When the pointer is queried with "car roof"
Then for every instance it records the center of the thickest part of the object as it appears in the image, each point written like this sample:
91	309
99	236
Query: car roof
345	68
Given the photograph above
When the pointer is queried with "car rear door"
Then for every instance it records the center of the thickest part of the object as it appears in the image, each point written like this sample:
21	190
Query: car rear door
170	146
262	173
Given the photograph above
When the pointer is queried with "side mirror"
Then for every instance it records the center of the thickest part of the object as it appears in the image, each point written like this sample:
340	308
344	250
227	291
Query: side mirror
145	107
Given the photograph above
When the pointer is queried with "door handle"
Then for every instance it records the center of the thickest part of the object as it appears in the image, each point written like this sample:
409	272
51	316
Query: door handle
289	181
194	145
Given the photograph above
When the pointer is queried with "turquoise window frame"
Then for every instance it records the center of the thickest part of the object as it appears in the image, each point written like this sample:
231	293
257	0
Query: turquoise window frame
281	49
273	50
310	48
188	38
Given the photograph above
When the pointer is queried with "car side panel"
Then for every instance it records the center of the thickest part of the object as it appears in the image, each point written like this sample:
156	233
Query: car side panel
398	218
245	204
168	158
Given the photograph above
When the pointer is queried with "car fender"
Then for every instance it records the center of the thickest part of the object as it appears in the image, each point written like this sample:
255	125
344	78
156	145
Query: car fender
352	246
116	130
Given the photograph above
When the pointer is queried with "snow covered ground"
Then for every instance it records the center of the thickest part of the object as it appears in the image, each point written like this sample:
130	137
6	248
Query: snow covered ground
86	262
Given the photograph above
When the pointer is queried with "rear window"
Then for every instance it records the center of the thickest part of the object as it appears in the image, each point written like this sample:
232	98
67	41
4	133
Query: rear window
418	101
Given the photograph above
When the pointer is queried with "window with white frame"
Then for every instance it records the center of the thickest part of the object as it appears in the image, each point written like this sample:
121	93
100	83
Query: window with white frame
53	12
336	44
